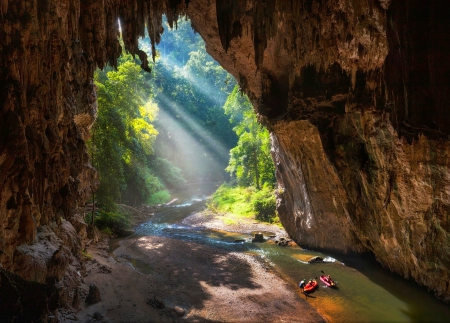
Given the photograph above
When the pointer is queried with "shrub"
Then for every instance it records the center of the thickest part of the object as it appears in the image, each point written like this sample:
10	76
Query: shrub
265	208
159	197
114	221
245	201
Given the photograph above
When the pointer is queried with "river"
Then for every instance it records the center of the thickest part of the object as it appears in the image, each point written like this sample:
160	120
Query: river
365	291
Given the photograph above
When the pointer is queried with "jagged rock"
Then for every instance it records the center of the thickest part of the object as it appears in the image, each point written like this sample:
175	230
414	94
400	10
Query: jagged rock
94	295
25	301
259	237
97	316
104	269
315	259
76	299
359	125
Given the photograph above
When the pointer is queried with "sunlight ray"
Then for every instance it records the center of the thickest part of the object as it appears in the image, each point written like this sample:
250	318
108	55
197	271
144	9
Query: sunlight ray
199	130
185	144
203	87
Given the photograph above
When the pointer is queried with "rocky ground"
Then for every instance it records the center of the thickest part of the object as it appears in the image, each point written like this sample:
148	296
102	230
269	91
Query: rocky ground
183	281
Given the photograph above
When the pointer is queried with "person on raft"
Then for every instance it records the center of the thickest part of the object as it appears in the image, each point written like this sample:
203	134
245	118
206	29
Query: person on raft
302	284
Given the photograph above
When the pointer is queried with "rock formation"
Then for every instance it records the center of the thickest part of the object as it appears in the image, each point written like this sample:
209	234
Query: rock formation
353	92
48	53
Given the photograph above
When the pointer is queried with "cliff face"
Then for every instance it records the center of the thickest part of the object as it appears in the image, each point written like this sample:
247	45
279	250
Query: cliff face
48	53
354	93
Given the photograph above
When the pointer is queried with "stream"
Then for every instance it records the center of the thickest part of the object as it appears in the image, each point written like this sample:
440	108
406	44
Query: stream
365	291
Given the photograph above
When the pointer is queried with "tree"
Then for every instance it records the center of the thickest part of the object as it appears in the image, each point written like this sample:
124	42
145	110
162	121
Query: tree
190	89
123	134
250	161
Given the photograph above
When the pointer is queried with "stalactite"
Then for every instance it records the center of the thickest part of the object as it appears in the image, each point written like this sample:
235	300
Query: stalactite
3	7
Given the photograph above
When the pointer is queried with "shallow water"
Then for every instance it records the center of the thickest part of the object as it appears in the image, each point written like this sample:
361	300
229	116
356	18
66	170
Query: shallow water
365	292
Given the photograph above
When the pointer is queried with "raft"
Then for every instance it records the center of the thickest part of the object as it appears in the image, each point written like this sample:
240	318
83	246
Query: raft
310	286
327	281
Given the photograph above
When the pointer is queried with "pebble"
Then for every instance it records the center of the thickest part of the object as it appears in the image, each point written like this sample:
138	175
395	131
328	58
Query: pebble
179	311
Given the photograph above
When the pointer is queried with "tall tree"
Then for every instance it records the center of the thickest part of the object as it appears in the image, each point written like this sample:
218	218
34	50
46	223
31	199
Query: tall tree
123	134
250	161
190	89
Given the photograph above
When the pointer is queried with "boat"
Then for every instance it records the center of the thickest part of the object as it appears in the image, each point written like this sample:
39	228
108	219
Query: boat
310	286
327	281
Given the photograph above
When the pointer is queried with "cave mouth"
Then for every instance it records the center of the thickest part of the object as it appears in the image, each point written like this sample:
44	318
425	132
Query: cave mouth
393	56
177	128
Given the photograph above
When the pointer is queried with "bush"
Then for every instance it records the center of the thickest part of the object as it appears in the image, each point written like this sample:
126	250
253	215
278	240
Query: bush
159	198
234	200
114	221
245	201
265	208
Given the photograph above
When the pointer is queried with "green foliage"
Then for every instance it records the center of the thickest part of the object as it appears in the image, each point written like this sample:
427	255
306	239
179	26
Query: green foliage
264	204
123	136
170	175
246	202
144	184
86	255
250	161
236	200
159	197
190	89
114	221
107	231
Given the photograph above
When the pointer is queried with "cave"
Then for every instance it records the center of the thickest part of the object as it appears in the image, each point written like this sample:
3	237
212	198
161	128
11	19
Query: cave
354	94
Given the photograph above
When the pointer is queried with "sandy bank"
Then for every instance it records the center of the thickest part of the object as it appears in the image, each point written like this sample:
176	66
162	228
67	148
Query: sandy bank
209	284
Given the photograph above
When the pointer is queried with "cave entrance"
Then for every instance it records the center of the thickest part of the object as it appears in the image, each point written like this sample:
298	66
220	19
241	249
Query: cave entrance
186	121
190	89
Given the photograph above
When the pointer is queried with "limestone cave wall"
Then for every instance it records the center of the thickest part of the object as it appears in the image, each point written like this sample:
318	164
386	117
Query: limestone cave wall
354	93
49	50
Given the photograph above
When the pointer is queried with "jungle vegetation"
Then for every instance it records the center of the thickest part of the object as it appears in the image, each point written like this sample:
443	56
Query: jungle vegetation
185	122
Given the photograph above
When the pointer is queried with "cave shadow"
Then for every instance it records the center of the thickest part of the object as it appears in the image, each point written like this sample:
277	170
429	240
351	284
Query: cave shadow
186	270
426	308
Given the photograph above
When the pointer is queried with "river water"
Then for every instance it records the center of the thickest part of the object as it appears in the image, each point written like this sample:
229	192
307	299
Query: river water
365	292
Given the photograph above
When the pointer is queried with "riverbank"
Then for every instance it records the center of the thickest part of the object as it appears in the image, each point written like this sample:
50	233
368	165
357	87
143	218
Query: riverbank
206	283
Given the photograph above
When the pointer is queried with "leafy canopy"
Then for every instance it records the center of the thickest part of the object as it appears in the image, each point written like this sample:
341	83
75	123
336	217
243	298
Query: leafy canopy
190	89
250	161
123	136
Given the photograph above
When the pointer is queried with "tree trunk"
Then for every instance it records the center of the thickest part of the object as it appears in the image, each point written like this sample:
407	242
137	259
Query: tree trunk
255	166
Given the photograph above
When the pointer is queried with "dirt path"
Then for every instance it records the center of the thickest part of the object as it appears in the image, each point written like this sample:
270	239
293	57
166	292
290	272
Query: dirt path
208	284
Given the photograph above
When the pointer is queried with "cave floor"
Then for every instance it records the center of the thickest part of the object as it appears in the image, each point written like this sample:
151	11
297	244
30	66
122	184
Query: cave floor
209	284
